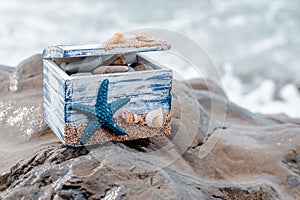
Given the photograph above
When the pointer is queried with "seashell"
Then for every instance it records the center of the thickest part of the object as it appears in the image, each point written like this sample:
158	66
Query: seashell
138	66
110	69
115	60
144	37
155	118
116	38
118	35
131	118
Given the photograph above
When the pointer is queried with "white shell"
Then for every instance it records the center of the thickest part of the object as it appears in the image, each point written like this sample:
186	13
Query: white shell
114	40
144	37
130	117
155	118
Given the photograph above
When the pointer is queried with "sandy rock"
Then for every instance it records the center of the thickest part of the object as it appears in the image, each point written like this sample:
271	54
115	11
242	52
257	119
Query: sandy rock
32	66
108	170
29	74
23	129
5	79
206	85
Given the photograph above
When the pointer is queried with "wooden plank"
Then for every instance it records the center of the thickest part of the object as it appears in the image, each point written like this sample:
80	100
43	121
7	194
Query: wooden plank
123	84
52	122
147	90
54	100
55	77
94	49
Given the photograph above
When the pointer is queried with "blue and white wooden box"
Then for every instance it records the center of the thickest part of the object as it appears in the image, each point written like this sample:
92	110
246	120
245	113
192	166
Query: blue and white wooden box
146	96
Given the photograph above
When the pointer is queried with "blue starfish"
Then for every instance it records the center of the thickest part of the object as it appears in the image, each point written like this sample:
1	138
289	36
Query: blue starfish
100	115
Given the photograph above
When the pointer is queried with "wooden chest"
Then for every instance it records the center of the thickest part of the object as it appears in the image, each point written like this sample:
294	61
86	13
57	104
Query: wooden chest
94	93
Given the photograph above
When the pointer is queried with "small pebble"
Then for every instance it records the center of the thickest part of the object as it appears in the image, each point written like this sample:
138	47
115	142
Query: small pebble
138	66
115	60
132	168
110	69
119	61
84	65
63	65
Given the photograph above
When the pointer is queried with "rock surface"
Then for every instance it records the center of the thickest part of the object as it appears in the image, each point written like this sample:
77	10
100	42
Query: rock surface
23	130
216	150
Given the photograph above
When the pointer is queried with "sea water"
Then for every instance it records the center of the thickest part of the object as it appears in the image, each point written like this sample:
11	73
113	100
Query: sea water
254	44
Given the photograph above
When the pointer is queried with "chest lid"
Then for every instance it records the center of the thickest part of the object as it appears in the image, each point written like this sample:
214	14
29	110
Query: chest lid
118	44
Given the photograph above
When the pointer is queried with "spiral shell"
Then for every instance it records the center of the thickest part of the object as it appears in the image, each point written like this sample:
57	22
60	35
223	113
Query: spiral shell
155	118
144	37
118	35
116	38
131	118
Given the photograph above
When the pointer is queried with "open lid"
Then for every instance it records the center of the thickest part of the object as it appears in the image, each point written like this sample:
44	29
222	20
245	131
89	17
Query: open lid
126	45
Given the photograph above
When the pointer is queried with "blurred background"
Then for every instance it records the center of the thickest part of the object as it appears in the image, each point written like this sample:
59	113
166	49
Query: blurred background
254	44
